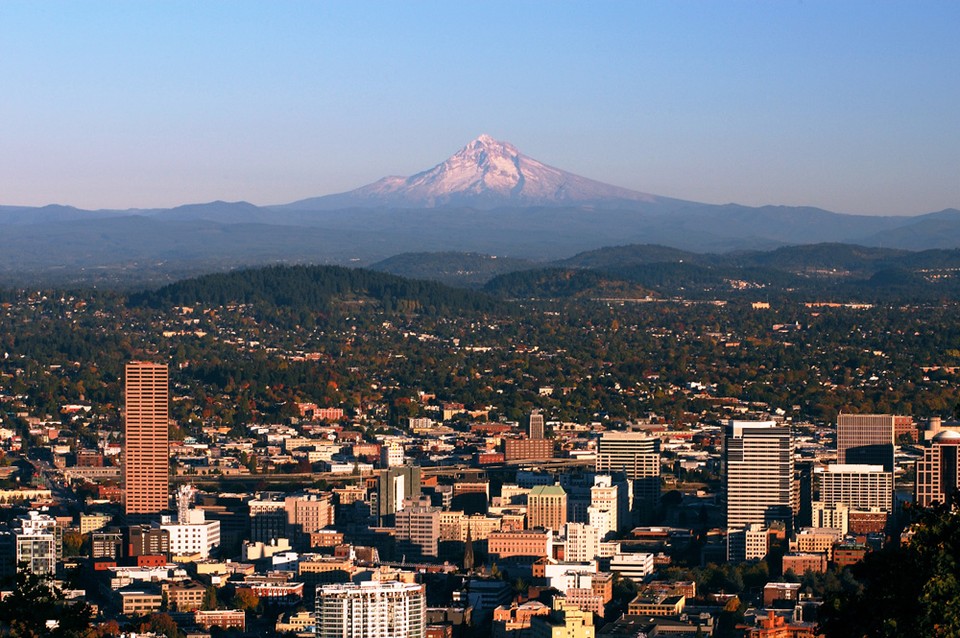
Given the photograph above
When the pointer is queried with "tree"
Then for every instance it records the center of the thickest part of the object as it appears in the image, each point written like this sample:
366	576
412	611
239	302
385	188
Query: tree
906	590
72	543
161	623
245	599
37	608
210	601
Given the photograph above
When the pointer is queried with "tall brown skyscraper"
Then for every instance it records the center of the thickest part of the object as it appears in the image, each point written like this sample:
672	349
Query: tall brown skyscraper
146	477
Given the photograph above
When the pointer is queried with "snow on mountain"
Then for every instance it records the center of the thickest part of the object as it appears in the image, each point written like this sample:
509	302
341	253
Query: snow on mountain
485	173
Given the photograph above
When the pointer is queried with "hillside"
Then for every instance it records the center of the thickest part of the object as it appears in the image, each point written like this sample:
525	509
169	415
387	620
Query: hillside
314	288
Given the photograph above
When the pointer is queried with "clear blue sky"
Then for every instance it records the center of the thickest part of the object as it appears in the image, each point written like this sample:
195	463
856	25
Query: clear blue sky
851	106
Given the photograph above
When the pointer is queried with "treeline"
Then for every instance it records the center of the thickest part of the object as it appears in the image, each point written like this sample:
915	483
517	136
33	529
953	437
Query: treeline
892	284
314	288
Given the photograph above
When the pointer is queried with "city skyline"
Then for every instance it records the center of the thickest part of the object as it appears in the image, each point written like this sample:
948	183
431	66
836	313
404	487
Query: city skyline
842	106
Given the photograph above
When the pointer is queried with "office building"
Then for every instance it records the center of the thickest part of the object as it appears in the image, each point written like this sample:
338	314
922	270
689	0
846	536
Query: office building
371	610
535	428
564	621
391	454
307	514
635	566
395	485
582	542
418	528
758	473
146	440
938	478
604	512
834	515
192	534
527	449
866	439
862	487
547	507
751	542
268	519
143	540
637	456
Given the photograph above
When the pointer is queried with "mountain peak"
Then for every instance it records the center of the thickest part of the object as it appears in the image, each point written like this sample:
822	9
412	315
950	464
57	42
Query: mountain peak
484	141
486	173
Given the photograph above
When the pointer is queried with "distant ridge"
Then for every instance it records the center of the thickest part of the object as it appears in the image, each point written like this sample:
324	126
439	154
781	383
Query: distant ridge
488	198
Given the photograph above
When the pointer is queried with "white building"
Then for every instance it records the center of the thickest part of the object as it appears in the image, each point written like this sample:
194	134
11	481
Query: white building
195	535
751	542
860	487
603	512
36	543
582	542
633	566
371	610
836	515
391	454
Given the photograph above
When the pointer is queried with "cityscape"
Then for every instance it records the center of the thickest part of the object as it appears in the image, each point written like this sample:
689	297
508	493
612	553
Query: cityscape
462	320
612	468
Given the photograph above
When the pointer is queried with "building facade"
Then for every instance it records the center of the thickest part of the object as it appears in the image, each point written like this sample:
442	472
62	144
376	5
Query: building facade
146	479
547	507
862	487
758	473
371	610
938	477
866	439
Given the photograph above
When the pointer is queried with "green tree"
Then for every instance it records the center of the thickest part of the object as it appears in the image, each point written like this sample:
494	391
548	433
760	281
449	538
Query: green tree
908	590
210	601
37	608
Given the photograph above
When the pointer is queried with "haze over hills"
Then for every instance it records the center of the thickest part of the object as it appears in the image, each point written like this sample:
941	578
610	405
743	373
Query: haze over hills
488	198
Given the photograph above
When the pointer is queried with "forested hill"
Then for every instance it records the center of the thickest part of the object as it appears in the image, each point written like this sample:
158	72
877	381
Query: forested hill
315	288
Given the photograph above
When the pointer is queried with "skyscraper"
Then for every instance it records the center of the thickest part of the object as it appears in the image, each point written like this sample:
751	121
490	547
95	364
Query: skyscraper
758	473
938	472
535	425
866	439
637	456
146	479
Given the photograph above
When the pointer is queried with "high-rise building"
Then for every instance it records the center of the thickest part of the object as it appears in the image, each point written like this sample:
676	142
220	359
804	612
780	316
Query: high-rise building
861	487
758	473
268	519
36	546
535	425
146	460
866	439
547	507
394	486
938	472
371	610
418	528
604	510
637	456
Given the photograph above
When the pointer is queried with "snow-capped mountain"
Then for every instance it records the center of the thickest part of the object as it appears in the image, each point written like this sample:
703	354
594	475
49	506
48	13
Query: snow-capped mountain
485	173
